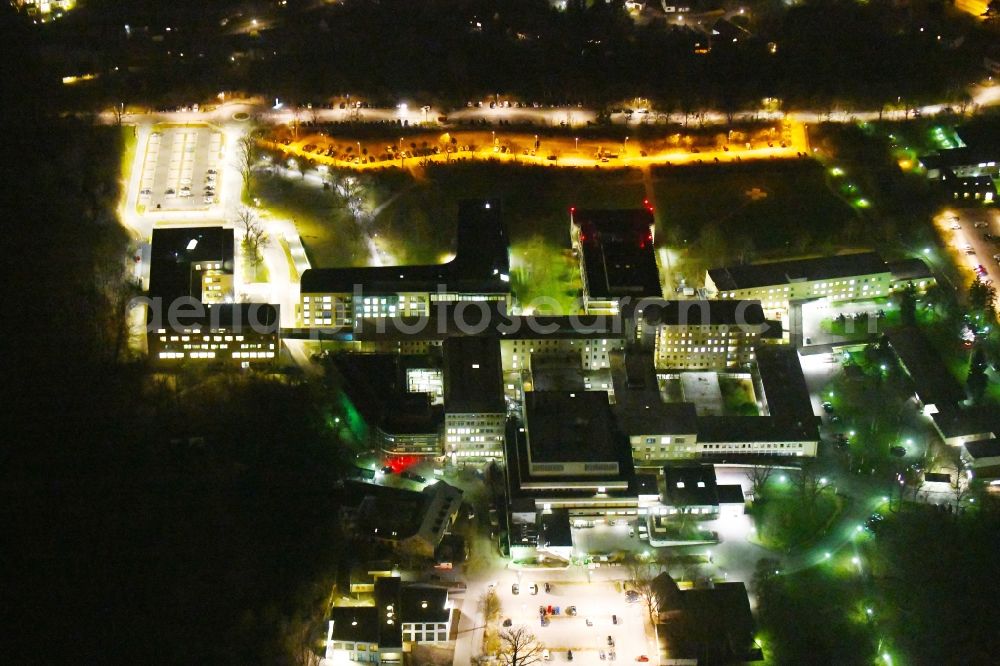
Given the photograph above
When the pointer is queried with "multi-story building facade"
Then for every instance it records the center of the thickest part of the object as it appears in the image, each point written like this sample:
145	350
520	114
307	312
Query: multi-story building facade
475	412
191	314
400	616
594	353
340	298
839	278
243	333
700	335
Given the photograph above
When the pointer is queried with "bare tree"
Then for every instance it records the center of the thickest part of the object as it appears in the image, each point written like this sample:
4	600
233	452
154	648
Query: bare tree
641	579
254	235
489	605
758	477
119	111
246	158
519	647
810	486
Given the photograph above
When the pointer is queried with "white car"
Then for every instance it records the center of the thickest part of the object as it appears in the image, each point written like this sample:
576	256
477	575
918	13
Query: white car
545	655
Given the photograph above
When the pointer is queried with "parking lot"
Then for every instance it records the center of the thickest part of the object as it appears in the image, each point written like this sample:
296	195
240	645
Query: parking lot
595	602
974	233
181	169
602	539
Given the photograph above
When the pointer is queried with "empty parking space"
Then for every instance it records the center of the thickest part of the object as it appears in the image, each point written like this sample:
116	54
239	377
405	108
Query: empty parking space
181	168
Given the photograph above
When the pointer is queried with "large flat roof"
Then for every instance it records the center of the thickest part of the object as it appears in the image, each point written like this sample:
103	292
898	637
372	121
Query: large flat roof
785	389
702	313
175	251
260	317
719	627
934	383
387	591
983	448
964	156
481	262
914	268
799	270
689	485
617	250
749	429
424	603
639	409
355	623
447	320
473	377
567	426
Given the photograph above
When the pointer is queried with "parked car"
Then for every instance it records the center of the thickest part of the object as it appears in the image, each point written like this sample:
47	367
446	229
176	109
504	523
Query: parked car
545	655
874	522
571	610
507	622
533	588
611	641
614	619
387	470
515	588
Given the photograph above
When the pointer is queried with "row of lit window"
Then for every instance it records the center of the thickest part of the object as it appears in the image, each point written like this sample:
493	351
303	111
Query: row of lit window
664	440
194	354
206	338
755	445
246	354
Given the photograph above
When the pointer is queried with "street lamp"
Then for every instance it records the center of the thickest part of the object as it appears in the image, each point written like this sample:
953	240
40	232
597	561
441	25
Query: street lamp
625	147
577	146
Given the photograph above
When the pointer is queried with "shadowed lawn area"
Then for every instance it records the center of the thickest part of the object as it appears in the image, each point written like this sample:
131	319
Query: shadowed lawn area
724	212
745	211
329	233
784	520
813	617
737	396
545	278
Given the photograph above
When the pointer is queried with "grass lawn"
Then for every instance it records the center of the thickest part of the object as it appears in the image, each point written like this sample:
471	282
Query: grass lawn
329	234
737	396
724	213
545	278
814	616
783	521
750	210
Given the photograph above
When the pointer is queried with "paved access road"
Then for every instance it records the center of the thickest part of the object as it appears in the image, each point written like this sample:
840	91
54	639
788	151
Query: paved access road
965	231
